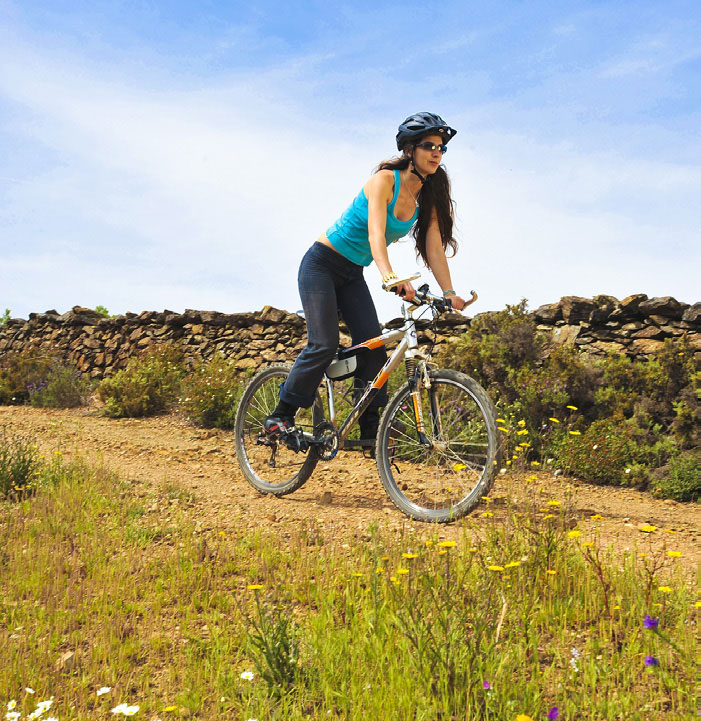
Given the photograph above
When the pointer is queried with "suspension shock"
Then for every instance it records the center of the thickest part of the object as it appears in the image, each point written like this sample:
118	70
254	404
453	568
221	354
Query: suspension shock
415	390
410	365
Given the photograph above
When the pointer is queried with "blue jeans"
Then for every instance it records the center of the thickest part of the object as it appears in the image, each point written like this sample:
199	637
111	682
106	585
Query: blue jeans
329	284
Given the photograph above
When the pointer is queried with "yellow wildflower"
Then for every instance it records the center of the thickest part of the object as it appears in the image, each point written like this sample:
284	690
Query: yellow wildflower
665	589
402	571
170	709
574	433
535	463
513	564
394	579
550	515
501	420
554	420
574	534
442	551
647	528
447	544
596	517
674	554
523	717
459	467
523	432
697	604
487	514
522	423
486	498
588	544
254	587
550	572
495	568
554	503
572	408
410	555
357	574
503	430
473	550
429	542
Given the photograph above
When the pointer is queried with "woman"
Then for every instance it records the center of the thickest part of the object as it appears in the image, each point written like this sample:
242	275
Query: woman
406	194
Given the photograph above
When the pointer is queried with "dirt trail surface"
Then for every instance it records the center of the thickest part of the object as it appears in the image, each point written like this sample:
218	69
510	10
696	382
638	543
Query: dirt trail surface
342	497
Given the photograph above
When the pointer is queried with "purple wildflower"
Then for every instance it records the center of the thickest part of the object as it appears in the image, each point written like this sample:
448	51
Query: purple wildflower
651	661
650	622
553	713
486	686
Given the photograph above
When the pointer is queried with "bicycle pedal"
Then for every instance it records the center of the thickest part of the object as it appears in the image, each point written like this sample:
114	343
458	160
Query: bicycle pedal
296	441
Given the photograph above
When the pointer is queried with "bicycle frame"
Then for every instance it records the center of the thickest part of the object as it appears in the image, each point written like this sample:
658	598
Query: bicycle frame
408	347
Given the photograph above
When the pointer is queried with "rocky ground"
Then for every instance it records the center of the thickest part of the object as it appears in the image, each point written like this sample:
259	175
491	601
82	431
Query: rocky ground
341	498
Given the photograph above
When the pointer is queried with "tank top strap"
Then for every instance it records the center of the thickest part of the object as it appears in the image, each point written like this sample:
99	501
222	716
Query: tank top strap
397	182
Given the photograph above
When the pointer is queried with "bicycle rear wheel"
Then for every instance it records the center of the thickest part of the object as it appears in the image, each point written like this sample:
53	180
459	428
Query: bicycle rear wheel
441	475
271	466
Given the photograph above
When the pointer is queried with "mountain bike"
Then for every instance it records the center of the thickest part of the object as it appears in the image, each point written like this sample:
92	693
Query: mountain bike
436	444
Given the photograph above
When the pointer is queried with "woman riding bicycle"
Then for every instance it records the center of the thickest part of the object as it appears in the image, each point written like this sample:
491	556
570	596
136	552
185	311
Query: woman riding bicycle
408	194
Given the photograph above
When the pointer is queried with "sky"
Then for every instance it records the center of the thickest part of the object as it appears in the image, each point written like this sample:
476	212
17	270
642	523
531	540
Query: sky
171	155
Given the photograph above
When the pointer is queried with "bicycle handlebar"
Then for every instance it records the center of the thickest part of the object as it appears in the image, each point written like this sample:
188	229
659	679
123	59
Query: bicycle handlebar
441	304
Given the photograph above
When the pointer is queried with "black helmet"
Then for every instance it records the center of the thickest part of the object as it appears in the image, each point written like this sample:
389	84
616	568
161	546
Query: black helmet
416	126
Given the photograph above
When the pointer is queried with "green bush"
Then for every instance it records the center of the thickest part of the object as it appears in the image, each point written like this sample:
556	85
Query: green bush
147	386
19	465
20	372
63	387
211	393
682	479
5	316
602	453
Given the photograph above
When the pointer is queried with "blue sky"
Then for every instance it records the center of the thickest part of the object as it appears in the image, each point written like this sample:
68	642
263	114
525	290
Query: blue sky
184	155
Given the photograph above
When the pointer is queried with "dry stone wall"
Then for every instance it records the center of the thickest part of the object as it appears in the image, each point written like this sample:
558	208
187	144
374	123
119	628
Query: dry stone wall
99	346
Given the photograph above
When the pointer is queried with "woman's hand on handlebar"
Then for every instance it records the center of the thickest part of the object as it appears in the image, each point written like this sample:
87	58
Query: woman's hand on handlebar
456	301
406	291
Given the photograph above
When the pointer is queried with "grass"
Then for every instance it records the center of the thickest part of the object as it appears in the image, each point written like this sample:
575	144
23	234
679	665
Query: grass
110	583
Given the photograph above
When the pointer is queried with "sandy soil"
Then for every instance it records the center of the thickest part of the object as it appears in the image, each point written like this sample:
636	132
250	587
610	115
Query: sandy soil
342	497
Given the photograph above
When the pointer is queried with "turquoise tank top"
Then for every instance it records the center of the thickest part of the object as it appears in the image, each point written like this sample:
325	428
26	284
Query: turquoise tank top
349	234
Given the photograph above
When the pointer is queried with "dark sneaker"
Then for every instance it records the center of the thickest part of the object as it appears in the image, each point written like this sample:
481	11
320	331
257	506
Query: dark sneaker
278	426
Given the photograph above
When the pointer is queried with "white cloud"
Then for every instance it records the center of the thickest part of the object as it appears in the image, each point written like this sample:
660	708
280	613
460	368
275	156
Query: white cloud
146	193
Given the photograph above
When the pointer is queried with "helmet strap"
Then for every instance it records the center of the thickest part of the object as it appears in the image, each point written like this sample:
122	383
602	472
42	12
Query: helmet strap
422	178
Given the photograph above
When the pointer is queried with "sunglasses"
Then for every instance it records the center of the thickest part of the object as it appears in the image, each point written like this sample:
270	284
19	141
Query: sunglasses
431	147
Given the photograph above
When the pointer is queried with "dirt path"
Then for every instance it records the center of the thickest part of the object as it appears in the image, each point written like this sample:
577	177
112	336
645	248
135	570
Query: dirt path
343	497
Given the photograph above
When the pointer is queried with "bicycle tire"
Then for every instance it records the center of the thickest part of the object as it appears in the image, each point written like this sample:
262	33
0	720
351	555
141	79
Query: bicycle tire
445	481
272	469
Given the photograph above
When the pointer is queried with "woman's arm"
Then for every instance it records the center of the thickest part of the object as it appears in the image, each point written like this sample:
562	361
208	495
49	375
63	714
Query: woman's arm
438	263
379	192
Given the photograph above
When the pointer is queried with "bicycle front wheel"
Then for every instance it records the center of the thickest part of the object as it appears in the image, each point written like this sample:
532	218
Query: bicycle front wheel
438	475
271	466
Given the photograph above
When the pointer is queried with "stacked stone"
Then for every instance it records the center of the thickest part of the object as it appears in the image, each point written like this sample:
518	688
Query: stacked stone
636	326
99	346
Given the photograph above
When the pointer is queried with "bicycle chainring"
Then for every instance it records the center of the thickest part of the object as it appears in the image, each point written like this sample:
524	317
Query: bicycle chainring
326	436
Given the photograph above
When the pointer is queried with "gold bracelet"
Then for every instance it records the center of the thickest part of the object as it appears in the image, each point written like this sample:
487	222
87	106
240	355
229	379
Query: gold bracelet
388	277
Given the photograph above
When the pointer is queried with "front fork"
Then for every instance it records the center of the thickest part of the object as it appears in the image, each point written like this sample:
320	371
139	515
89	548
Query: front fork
417	377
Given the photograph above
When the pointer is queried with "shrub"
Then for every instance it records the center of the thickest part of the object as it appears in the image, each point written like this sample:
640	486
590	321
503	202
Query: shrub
5	316
63	387
495	345
22	371
211	393
102	311
601	453
19	465
147	386
682	480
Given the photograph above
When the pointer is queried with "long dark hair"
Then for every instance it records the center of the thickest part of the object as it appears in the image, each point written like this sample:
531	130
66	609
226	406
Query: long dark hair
434	193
